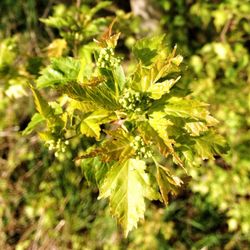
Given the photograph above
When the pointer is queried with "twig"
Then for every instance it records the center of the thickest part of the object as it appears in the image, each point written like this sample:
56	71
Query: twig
47	9
77	19
225	30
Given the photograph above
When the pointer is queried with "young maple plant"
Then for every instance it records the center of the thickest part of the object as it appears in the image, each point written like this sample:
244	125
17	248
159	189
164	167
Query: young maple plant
142	125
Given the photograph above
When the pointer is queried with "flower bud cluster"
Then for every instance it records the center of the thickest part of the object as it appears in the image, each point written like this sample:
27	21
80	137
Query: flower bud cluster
78	36
133	101
142	151
130	101
58	146
107	59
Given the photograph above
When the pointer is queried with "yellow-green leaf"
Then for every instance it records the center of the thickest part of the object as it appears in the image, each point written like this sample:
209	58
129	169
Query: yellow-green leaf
56	48
157	90
195	128
42	105
168	183
90	125
127	184
35	121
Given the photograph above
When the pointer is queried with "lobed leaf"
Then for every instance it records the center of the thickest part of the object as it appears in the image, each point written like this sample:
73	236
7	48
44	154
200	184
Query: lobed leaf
209	144
186	108
90	125
126	185
117	146
41	104
156	91
146	50
168	183
59	72
35	121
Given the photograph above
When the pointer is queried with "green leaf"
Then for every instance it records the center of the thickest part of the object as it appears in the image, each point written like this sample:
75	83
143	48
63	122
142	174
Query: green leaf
55	21
168	183
41	104
75	91
59	72
160	124
210	144
145	50
46	136
119	77
150	135
7	53
83	106
141	79
117	147
56	48
195	128
157	90
35	121
94	170
145	78
164	65
127	184
103	96
98	7
86	70
187	108
188	155
90	125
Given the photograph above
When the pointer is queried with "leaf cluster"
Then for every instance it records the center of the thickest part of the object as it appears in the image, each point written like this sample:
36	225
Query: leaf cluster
138	121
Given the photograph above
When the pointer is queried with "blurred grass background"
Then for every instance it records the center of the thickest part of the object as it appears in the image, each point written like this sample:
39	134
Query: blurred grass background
47	204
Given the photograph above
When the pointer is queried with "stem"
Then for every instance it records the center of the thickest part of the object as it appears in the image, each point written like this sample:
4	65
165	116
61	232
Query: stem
225	30
77	17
